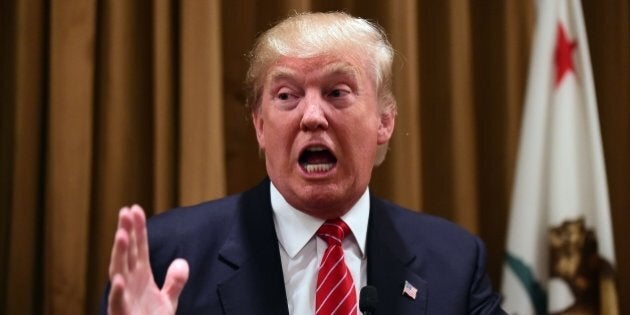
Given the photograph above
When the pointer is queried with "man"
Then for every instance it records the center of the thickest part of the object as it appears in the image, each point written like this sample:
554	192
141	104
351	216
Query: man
306	239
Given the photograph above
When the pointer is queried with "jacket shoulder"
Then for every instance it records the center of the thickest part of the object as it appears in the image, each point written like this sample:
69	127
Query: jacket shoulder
187	221
416	226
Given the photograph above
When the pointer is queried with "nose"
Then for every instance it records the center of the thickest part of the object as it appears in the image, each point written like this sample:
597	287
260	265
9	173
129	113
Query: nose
314	116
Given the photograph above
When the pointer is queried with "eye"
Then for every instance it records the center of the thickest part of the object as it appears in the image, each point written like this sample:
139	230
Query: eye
338	92
284	96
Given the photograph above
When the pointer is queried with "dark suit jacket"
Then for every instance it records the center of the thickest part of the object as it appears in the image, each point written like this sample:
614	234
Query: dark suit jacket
232	249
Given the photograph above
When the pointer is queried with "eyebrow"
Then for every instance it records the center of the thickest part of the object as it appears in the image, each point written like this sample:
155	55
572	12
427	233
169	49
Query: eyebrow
341	68
338	68
282	73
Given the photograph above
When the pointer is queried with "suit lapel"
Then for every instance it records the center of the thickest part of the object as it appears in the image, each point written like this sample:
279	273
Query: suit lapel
257	284
389	263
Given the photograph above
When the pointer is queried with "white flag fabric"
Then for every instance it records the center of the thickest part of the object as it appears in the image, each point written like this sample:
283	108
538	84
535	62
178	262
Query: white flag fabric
560	254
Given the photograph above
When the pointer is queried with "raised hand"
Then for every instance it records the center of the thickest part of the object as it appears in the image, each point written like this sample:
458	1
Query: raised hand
133	289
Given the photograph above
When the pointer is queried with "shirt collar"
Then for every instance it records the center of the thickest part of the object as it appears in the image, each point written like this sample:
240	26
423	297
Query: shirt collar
295	228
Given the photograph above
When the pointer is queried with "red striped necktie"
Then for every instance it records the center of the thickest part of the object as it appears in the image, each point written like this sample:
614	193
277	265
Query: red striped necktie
335	293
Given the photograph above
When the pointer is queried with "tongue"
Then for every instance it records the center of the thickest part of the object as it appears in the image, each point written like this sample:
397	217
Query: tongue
320	157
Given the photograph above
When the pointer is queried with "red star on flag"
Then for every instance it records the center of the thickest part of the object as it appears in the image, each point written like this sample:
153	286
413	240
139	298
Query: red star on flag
564	56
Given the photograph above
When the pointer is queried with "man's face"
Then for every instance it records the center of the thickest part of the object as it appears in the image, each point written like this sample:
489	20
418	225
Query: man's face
319	124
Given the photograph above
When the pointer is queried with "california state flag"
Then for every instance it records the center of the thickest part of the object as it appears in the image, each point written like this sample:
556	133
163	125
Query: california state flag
560	255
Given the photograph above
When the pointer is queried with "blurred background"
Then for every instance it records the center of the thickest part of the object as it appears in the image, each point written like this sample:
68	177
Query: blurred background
106	103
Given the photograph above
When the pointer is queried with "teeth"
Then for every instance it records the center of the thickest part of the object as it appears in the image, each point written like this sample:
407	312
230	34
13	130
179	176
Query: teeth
318	168
315	149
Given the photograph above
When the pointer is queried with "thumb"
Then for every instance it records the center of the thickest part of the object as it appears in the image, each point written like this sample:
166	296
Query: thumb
176	278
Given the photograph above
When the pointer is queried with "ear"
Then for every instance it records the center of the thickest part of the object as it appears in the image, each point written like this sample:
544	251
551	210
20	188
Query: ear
386	126
258	125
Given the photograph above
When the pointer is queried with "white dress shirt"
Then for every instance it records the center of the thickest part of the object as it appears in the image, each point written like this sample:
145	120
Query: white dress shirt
301	251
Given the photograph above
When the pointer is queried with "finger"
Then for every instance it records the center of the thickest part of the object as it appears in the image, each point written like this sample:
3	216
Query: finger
132	257
116	301
118	260
176	278
125	222
120	214
140	228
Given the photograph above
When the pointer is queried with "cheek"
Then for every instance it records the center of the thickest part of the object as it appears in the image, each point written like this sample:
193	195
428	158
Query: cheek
279	133
362	138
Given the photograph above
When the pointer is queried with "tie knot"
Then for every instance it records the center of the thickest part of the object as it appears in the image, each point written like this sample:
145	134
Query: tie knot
333	231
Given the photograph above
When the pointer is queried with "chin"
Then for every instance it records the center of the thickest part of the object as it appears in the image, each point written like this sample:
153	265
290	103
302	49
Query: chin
325	203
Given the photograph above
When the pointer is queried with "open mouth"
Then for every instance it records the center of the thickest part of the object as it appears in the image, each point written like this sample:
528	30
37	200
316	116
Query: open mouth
317	159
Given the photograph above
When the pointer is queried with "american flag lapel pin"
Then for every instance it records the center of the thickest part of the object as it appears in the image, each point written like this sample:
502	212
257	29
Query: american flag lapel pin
409	290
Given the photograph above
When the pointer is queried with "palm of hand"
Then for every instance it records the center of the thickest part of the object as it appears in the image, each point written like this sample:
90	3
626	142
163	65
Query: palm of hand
133	289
